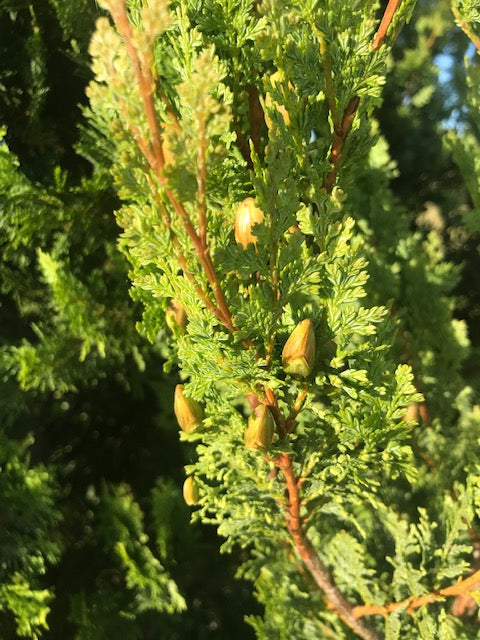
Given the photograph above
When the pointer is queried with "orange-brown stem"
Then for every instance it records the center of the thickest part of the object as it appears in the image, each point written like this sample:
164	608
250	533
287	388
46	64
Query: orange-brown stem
462	587
310	558
157	163
202	183
464	26
385	22
339	137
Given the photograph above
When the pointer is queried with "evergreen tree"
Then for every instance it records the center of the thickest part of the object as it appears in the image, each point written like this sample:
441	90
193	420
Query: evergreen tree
94	520
290	207
244	148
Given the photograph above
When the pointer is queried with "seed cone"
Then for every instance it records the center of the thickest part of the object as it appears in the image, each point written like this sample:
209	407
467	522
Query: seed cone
189	413
176	317
298	356
190	491
246	216
260	429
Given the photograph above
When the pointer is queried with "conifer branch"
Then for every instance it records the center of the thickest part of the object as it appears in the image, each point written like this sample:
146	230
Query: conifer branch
201	183
464	26
385	23
339	137
145	84
181	259
462	587
168	223
310	558
342	129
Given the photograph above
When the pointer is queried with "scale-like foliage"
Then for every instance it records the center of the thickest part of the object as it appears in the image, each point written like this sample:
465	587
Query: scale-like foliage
274	102
330	434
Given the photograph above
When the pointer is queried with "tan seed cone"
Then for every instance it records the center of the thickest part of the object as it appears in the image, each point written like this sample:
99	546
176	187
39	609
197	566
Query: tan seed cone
190	491
246	216
298	356
188	412
176	316
260	429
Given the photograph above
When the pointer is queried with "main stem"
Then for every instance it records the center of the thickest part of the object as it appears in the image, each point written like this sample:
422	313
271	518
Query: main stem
310	558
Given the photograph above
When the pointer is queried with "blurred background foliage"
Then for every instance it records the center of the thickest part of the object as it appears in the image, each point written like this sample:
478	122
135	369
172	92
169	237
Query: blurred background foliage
93	524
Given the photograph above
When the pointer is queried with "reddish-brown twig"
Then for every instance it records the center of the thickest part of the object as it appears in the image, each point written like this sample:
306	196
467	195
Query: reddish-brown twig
385	23
310	558
339	137
464	26
462	587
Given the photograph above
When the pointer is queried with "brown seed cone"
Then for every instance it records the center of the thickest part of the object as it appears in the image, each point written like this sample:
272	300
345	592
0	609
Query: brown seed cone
246	216
298	355
189	413
260	429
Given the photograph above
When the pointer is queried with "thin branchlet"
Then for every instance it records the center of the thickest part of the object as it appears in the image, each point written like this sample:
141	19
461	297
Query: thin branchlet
342	127
156	160
460	588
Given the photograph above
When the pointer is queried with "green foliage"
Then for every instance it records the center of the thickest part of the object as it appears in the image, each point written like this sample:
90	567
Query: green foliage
29	542
371	481
74	237
348	439
121	524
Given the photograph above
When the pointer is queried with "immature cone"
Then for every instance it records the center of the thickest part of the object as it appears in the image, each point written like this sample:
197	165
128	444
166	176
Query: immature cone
412	412
176	316
260	429
298	355
246	216
188	412
190	491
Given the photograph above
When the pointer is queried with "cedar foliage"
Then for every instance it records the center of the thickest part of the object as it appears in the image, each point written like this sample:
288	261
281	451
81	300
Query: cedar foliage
359	517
